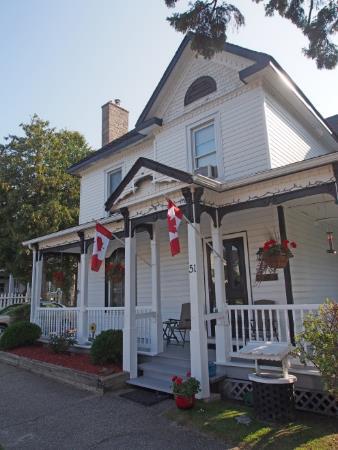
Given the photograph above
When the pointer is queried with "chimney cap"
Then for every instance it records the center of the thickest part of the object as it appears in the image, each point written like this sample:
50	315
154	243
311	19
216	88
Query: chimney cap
117	101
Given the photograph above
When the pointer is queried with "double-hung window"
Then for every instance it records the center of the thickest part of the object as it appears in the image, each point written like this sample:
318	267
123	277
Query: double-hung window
204	146
114	179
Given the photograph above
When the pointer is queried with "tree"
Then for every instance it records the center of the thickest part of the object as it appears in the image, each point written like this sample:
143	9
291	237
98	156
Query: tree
37	195
209	20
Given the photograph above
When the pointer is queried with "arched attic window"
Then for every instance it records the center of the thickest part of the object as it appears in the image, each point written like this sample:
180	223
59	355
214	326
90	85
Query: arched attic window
199	88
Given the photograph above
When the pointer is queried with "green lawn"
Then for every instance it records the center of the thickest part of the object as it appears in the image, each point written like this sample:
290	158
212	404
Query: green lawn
309	431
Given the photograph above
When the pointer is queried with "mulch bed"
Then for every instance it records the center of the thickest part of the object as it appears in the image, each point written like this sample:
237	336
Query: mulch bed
76	361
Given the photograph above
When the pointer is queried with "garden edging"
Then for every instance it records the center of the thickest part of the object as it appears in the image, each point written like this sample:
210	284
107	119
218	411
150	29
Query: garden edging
81	380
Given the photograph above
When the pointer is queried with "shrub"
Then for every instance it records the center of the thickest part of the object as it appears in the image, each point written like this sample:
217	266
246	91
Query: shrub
18	334
21	313
60	344
107	347
318	343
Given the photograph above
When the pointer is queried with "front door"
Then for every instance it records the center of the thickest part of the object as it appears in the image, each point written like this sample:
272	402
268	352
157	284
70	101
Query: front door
234	276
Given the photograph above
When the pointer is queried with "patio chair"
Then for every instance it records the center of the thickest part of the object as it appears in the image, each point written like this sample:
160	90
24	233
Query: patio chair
256	323
176	329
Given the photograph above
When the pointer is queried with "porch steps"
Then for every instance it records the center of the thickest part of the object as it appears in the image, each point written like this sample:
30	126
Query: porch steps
158	371
151	383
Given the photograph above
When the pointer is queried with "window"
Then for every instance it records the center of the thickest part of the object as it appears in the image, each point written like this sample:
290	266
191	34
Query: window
114	278
204	146
114	179
199	88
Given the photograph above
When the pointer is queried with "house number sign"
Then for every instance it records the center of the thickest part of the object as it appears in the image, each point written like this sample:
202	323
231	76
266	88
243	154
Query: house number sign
192	268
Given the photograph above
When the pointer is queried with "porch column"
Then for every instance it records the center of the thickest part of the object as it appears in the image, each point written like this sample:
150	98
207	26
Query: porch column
36	294
156	322
198	334
129	328
82	331
222	329
32	300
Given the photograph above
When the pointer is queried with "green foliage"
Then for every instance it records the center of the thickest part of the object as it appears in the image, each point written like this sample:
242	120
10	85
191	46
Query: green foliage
318	343
19	334
107	347
37	195
187	388
62	343
209	20
21	313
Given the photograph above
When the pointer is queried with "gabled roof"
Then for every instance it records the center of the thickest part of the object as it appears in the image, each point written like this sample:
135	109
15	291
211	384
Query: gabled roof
124	141
260	61
176	174
333	123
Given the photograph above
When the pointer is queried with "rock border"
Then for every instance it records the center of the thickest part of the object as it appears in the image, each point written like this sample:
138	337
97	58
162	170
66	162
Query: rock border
82	380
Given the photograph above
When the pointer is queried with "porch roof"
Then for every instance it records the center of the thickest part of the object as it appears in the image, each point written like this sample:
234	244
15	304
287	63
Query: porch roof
187	178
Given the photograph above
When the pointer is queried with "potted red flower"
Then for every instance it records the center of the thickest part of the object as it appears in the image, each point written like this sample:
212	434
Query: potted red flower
276	254
185	390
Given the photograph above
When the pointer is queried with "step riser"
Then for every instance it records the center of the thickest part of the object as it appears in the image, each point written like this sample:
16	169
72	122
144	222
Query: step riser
161	360
157	375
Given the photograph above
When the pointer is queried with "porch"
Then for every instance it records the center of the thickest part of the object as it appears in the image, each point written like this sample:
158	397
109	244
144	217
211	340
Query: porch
215	271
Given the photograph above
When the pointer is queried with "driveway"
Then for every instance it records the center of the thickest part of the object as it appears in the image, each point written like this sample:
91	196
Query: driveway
37	413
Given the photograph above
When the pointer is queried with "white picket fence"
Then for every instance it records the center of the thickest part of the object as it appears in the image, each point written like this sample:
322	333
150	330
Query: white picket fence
8	299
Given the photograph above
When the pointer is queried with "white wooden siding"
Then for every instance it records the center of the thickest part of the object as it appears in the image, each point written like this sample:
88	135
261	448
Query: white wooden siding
289	141
93	192
243	135
314	272
226	77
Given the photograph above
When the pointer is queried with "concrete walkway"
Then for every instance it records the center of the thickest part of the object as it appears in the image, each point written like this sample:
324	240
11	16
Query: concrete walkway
40	414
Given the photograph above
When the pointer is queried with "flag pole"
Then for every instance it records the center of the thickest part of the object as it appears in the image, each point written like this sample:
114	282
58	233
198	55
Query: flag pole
198	232
123	244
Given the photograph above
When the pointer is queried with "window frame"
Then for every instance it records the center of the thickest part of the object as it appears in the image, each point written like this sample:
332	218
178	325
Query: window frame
193	144
202	122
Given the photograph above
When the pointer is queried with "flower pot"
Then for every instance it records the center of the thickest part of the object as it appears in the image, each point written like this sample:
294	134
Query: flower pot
276	261
183	402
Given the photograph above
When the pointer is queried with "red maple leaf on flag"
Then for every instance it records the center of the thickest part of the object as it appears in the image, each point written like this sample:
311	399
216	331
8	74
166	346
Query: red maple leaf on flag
99	243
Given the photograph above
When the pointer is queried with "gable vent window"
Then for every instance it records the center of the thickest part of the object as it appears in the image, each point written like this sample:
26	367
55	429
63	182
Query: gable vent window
204	146
199	88
114	179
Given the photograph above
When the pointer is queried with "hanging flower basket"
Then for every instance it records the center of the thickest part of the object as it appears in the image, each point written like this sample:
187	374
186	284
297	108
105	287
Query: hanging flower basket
273	255
58	278
276	261
115	272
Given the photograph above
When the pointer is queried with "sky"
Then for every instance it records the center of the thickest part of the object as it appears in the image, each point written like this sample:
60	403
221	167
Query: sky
63	59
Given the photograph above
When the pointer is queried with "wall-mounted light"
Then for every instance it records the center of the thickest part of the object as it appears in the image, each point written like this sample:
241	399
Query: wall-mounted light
331	249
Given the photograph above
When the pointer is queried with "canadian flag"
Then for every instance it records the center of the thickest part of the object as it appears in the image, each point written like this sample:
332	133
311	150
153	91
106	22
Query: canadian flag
174	219
101	242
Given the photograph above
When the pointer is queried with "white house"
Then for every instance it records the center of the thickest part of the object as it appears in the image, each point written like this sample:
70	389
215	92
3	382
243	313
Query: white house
246	156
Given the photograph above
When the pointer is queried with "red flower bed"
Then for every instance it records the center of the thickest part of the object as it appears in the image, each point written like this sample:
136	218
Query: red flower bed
76	361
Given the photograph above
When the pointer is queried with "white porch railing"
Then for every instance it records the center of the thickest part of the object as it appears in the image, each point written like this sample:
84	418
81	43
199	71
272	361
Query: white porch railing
57	320
106	318
144	317
8	299
246	323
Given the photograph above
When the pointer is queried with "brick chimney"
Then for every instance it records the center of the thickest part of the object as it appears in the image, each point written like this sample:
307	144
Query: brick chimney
114	121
